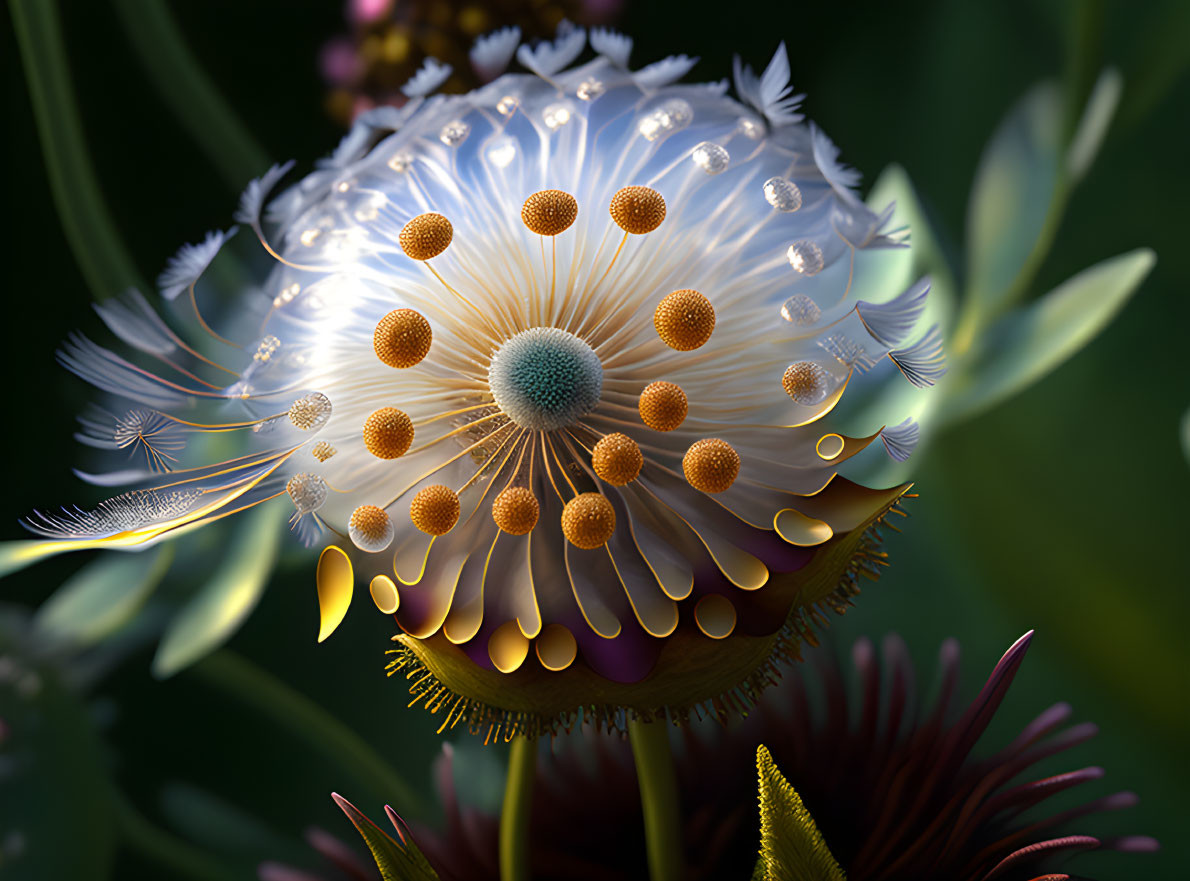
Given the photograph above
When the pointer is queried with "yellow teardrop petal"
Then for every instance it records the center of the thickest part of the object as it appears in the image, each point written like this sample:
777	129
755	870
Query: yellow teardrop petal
385	594
335	584
508	647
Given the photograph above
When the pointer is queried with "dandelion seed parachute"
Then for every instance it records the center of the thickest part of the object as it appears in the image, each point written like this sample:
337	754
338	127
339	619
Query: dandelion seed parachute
525	352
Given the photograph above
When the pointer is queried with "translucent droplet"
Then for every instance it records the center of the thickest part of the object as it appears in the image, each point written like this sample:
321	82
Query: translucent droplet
556	116
308	492
782	194
373	535
805	382
680	112
805	257
343	186
370	210
801	310
711	158
507	105
750	128
589	90
309	237
669	117
310	412
501	152
267	347
454	133
400	162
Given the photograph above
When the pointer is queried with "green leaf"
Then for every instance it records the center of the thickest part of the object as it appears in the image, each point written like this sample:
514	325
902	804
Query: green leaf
1096	120
1015	185
791	847
1030	342
397	862
103	596
222	605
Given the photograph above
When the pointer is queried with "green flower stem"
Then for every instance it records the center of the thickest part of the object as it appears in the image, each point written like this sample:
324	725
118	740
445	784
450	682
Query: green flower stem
297	714
90	230
658	797
189	93
518	804
163	848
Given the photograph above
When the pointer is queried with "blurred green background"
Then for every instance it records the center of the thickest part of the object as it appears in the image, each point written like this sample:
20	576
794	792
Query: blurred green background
1061	510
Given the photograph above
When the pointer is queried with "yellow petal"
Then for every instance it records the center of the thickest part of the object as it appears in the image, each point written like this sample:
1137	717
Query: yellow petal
335	584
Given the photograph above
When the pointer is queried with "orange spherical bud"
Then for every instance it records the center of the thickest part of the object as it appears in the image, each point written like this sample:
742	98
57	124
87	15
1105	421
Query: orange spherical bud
388	433
402	338
662	406
617	459
684	320
426	236
370	529
711	465
637	210
588	521
549	212
516	510
435	510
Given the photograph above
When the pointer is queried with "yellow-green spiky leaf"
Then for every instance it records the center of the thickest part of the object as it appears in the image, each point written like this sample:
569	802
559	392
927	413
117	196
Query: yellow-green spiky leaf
791	847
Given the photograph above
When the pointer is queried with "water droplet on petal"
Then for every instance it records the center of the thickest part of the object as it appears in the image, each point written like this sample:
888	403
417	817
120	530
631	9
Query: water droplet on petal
454	133
801	310
590	89
711	158
507	105
782	194
556	116
805	257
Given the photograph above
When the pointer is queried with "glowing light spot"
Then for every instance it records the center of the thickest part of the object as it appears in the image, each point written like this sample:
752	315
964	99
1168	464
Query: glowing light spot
385	594
637	210
617	459
310	412
370	529
388	433
454	133
400	162
435	510
590	89
662	406
556	647
805	257
516	510
829	446
308	492
684	320
426	236
715	616
588	521
710	157
782	194
402	338
549	212
751	128
556	116
309	237
805	382
501	152
506	106
711	465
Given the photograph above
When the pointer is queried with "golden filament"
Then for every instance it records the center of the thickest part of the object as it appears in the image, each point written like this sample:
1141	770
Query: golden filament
684	320
384	594
588	521
617	459
516	510
388	433
662	406
711	465
435	509
370	522
402	338
549	212
426	236
322	451
637	210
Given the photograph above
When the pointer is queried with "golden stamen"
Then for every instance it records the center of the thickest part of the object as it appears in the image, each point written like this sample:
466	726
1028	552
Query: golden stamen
662	406
617	459
711	465
435	509
426	236
402	338
369	521
388	433
804	382
684	320
516	510
637	210
588	521
549	212
322	451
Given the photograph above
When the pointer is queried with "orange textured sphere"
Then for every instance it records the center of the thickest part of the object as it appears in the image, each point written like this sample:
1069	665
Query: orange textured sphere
516	510
435	510
617	459
369	521
711	465
402	338
549	212
588	521
426	236
662	406
684	320
388	433
637	210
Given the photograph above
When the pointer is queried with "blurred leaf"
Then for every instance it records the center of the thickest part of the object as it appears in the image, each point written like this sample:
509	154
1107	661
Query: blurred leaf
221	606
791	847
1030	342
1015	184
56	791
221	827
103	596
397	862
1096	120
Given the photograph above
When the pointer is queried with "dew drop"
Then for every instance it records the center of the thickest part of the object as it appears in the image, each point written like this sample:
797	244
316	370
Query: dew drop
782	194
556	116
454	133
805	257
711	158
507	105
589	90
801	310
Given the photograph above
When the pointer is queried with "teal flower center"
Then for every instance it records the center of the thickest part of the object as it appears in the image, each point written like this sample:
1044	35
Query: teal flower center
545	378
